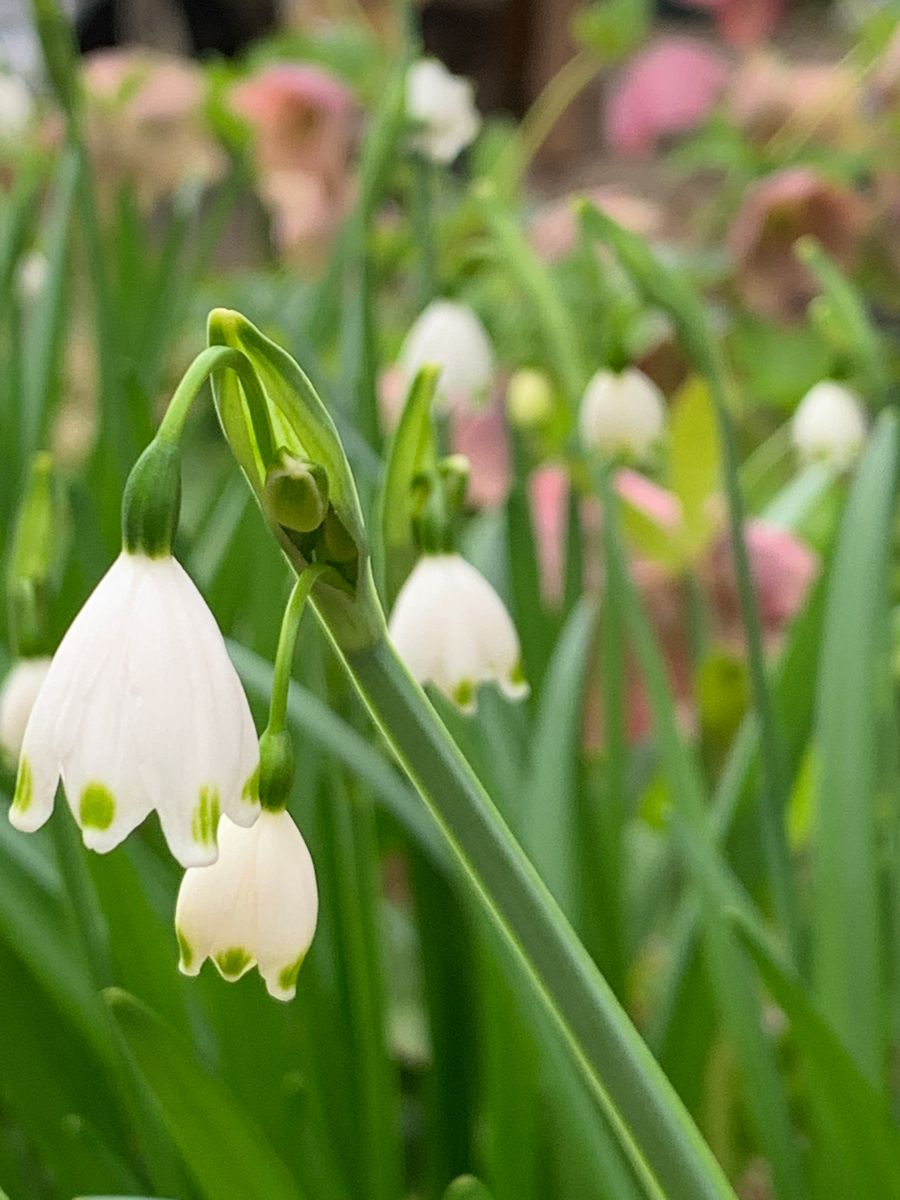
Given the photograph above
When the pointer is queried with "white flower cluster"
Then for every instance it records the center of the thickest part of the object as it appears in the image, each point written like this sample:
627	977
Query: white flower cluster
141	709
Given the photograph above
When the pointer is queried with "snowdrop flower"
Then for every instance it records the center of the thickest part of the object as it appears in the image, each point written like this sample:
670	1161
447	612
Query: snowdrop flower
450	336
17	697
451	629
16	107
257	905
31	276
444	106
622	413
830	424
141	709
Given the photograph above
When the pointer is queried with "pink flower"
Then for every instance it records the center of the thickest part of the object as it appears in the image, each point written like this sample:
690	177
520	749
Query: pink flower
741	22
821	99
145	123
667	89
549	494
480	435
776	212
554	228
782	568
303	120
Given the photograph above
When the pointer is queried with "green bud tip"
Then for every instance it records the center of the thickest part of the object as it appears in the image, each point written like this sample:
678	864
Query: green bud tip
296	493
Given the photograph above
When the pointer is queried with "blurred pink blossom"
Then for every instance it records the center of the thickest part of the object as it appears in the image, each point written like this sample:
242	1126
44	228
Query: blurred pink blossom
669	88
549	494
782	568
480	434
821	99
742	22
145	123
303	120
777	211
554	228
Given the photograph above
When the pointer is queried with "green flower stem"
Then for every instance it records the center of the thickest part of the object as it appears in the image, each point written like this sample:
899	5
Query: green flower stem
667	290
655	1130
423	189
217	358
612	682
558	94
287	641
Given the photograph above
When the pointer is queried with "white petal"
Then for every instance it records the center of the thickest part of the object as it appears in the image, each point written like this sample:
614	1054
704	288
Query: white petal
17	696
830	424
450	336
452	630
257	904
624	412
444	106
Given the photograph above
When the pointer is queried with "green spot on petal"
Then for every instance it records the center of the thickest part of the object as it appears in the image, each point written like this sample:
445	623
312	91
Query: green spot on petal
250	791
97	808
234	962
517	676
288	977
464	694
205	821
24	787
185	949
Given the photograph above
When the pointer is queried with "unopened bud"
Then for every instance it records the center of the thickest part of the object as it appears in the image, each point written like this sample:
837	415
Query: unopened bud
529	399
296	494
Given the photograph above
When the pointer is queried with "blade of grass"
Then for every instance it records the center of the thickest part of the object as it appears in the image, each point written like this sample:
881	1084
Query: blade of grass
847	923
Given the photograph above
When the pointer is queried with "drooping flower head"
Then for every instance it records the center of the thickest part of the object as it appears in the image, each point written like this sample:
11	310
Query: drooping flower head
778	211
452	630
450	335
622	413
443	106
17	697
830	424
257	905
141	709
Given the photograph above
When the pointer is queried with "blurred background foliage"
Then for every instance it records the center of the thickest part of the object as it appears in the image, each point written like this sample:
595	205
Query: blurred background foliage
754	145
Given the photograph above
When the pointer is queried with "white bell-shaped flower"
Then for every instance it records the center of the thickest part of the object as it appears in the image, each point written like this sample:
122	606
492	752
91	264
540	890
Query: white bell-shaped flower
141	709
257	905
452	630
17	696
622	413
16	107
450	336
443	105
830	424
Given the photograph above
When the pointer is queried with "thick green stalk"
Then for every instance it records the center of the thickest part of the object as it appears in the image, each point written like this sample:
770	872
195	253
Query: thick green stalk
655	1130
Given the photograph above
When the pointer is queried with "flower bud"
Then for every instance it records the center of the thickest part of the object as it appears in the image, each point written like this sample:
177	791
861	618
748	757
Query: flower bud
296	493
443	106
830	424
529	399
450	336
622	414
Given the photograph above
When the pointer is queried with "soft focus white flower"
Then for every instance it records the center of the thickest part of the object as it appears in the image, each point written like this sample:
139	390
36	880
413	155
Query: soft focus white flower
830	424
450	336
17	697
141	709
257	904
31	275
451	629
622	413
444	106
16	107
